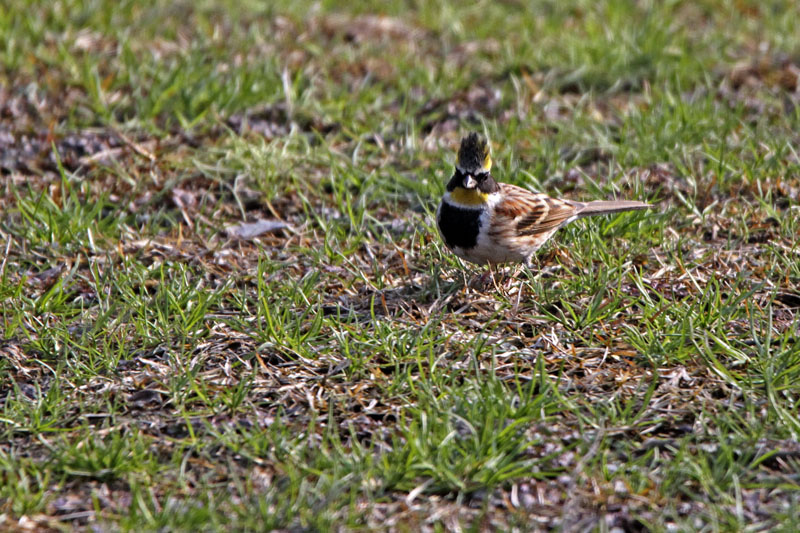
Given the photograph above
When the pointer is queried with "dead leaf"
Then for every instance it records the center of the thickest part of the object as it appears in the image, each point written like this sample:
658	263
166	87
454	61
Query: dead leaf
250	230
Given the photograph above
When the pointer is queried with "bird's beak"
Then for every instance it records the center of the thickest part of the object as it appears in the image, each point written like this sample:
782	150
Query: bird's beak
469	182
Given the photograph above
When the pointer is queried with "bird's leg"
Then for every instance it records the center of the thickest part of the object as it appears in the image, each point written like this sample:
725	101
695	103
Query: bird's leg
494	282
516	302
528	264
480	281
519	291
532	263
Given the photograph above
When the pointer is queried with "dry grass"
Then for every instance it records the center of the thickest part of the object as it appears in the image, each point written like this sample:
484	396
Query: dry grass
161	369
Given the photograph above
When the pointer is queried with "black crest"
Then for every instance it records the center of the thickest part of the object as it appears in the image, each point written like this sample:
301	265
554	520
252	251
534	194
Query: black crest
473	153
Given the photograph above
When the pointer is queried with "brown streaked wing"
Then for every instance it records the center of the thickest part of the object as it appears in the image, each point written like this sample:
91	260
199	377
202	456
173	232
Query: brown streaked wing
534	213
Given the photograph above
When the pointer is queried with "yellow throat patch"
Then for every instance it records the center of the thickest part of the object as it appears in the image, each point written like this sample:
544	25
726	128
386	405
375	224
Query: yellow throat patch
463	196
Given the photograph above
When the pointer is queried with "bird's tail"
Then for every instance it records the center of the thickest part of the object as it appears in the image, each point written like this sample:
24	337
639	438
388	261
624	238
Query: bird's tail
614	206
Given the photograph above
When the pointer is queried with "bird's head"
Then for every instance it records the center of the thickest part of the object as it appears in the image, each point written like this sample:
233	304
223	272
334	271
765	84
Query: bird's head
474	160
472	181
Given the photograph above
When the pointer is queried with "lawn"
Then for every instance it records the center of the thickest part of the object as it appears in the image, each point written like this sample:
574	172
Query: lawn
224	304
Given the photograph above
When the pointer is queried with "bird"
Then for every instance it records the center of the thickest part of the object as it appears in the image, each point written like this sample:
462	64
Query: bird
486	222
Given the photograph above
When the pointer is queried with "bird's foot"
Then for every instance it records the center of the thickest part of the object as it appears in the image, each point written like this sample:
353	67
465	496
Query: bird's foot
483	281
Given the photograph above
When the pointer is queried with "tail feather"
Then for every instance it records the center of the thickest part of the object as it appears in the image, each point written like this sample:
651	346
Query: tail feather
614	206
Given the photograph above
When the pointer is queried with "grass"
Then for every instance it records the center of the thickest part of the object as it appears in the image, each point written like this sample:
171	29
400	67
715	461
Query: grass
159	373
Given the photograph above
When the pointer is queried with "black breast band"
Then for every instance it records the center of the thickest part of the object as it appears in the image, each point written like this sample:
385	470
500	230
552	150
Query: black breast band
459	226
